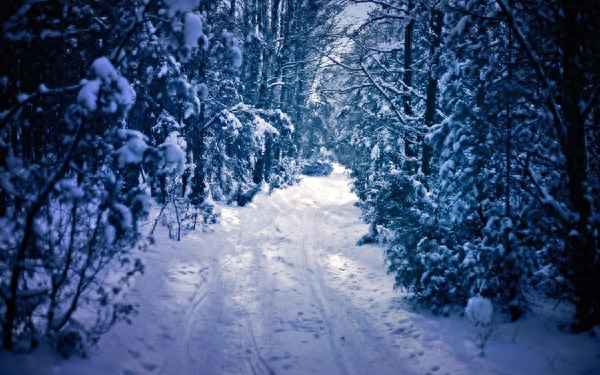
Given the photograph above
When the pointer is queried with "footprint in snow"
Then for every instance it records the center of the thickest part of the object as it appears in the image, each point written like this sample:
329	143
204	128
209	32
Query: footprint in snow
134	353
149	366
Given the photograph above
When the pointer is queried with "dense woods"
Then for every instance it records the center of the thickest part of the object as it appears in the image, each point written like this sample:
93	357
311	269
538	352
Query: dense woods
110	106
470	128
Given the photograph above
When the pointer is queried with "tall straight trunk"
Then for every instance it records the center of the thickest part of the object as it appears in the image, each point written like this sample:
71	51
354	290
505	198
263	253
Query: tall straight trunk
277	28
288	52
410	148
245	70
252	65
198	187
508	135
408	72
580	245
261	22
271	29
232	8
435	35
511	268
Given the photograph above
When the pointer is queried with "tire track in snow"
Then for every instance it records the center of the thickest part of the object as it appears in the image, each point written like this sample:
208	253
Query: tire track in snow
317	296
351	320
190	316
198	297
266	368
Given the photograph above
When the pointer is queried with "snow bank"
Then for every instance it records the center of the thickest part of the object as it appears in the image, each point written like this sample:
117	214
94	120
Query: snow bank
479	310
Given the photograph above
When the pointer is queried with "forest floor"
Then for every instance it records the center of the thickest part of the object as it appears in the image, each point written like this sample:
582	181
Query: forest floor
279	287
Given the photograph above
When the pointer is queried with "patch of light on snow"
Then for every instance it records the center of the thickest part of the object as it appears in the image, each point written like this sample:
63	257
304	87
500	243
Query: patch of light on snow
338	262
183	276
230	219
332	190
277	261
234	267
338	169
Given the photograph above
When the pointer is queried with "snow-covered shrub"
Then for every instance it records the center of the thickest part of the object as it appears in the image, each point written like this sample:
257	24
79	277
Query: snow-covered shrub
317	168
245	147
126	122
76	220
285	172
480	312
72	342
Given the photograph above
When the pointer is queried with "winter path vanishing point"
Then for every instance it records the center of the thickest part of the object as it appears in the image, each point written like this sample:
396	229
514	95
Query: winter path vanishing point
279	287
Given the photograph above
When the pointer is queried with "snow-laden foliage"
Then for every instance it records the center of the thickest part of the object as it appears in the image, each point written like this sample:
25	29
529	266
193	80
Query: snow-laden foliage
74	220
472	148
112	111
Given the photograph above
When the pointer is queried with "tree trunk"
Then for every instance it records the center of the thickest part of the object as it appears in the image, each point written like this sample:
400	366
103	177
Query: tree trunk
437	21
410	147
198	187
580	244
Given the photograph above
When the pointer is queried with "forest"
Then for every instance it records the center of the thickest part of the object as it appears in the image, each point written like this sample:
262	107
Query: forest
458	139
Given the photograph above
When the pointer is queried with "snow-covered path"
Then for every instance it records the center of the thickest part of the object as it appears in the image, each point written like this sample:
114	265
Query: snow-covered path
279	287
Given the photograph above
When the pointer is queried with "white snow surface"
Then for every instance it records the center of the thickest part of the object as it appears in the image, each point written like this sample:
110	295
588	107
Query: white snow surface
479	310
279	287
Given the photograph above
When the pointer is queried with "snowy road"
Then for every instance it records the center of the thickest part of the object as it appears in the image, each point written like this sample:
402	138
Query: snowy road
279	287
